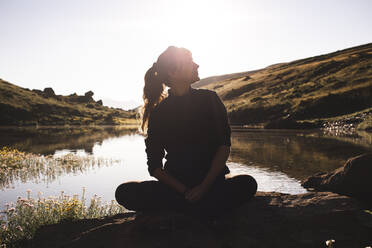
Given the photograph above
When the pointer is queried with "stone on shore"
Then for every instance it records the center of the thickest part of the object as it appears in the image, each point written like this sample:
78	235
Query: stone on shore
353	179
269	220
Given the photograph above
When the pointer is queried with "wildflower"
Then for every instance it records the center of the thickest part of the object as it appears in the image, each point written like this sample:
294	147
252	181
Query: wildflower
11	209
29	205
19	228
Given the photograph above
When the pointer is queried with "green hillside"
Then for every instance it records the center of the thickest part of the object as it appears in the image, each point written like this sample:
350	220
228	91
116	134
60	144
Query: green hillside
331	89
20	106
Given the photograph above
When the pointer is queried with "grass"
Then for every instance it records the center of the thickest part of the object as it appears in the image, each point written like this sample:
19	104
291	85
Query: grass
20	221
16	165
320	87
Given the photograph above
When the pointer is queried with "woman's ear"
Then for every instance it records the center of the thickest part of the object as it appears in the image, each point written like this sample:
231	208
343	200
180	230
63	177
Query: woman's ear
174	74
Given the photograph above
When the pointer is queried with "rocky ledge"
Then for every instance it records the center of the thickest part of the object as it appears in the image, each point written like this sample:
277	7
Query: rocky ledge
270	220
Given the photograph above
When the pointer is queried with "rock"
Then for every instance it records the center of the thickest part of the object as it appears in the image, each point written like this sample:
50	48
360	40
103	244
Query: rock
269	220
39	92
49	92
353	179
80	99
109	120
89	93
99	102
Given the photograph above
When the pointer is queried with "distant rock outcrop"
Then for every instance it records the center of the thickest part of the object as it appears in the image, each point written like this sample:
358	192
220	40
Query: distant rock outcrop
87	98
89	94
269	220
353	179
49	92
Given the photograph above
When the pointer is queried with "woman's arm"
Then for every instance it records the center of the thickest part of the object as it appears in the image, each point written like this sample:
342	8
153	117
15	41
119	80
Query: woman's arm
218	164
169	180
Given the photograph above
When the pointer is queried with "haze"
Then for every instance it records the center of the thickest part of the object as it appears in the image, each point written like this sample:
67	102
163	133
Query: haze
107	46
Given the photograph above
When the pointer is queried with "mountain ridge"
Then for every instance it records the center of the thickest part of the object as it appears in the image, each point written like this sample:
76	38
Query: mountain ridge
309	92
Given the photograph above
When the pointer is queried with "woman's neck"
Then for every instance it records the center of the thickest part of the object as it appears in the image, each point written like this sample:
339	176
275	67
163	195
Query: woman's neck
180	91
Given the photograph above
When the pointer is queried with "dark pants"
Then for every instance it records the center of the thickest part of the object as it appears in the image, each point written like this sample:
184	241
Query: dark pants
222	197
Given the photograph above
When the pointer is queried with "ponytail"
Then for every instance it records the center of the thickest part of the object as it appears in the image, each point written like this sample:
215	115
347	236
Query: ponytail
153	94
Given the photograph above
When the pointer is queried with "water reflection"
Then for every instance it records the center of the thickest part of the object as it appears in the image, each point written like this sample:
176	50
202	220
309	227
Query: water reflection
277	159
296	153
46	169
47	140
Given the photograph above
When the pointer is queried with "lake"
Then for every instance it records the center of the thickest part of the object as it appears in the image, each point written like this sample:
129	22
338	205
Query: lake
278	159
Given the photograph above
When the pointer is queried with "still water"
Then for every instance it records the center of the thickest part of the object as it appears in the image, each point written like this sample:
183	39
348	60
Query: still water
278	159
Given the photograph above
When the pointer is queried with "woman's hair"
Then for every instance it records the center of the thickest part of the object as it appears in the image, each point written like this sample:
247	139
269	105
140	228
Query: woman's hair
156	78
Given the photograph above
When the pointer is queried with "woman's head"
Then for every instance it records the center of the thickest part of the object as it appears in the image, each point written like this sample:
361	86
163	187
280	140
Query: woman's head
174	68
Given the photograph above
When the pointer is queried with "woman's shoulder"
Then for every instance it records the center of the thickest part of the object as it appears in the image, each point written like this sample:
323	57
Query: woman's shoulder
204	92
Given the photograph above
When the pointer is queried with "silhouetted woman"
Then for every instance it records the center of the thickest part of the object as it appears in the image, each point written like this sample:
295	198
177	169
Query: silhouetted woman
191	125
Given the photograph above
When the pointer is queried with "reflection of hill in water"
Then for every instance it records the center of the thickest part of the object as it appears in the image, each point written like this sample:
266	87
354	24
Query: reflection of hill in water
46	140
298	154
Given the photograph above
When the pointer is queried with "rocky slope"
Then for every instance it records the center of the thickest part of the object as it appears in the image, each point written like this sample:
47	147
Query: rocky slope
331	89
269	220
21	106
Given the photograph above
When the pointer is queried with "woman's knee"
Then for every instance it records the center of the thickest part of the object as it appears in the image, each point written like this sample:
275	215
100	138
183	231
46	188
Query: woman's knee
125	195
246	183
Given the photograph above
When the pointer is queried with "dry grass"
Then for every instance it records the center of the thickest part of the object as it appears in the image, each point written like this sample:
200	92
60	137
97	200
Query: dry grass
304	89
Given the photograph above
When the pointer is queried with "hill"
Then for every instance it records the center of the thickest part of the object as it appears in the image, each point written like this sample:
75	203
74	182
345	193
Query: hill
21	106
326	90
213	79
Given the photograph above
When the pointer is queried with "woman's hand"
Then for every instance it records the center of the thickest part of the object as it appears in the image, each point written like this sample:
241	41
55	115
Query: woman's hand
196	193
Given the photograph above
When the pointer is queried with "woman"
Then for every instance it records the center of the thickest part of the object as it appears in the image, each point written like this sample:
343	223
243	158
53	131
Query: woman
192	127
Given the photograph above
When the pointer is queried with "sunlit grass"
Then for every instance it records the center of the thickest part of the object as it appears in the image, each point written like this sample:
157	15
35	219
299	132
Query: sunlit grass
308	89
17	165
21	220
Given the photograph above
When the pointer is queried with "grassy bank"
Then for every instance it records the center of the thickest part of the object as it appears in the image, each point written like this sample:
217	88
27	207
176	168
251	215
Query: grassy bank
19	221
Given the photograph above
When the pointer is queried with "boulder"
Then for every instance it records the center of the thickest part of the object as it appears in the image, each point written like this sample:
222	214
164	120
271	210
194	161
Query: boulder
353	179
269	220
49	92
99	102
89	93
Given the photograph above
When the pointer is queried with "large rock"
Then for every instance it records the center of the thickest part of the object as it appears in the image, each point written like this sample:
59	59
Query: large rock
89	93
353	179
269	220
49	92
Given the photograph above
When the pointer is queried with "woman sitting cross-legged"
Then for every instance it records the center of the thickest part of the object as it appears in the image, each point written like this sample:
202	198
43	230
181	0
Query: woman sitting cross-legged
191	126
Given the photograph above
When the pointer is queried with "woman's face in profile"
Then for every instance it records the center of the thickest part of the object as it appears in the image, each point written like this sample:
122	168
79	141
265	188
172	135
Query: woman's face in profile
187	71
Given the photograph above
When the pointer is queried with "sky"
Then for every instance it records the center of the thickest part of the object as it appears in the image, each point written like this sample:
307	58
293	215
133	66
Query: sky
107	45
